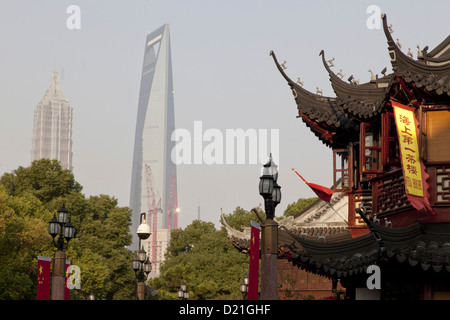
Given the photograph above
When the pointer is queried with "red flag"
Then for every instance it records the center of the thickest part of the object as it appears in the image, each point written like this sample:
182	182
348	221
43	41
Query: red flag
253	272
322	192
43	278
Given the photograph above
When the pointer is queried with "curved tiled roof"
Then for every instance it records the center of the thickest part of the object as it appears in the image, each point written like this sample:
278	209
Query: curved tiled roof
424	246
362	101
308	224
335	120
430	71
323	115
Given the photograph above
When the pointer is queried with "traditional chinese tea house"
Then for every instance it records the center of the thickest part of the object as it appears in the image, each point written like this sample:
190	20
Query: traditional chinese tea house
392	135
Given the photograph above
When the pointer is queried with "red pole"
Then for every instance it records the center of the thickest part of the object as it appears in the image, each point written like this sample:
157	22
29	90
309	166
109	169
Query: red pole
253	272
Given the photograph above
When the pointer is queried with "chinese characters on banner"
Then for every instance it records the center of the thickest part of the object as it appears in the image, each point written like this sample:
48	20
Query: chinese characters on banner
409	149
413	168
253	272
43	278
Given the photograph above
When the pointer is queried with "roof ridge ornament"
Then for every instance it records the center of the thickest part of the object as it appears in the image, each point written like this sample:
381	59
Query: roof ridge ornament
330	62
298	84
419	52
362	212
387	223
390	29
373	77
410	53
340	75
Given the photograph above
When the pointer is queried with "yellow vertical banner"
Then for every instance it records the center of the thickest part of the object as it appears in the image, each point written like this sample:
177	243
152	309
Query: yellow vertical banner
409	148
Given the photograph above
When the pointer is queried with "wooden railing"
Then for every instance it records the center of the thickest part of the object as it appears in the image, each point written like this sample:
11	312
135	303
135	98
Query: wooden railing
388	194
356	198
439	183
388	190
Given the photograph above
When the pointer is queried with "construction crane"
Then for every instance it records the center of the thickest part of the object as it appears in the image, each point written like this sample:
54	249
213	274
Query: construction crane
154	206
172	205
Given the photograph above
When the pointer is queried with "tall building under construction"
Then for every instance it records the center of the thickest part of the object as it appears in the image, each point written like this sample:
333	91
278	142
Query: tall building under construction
52	129
154	179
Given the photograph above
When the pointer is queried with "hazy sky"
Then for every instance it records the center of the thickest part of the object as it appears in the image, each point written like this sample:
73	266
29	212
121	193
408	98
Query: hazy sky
223	76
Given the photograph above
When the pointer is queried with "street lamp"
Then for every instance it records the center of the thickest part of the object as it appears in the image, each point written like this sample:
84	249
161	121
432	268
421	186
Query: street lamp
141	264
61	226
276	194
141	267
183	293
244	287
142	255
269	189
271	192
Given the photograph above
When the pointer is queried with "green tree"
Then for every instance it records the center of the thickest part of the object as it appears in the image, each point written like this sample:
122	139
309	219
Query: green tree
99	248
29	197
22	233
296	207
202	257
44	178
242	218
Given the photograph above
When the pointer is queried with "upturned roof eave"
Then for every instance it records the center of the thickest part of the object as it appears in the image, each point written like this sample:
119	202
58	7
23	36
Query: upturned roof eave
322	114
426	66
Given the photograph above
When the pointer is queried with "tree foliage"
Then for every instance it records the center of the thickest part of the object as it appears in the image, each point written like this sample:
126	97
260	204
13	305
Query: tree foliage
29	197
293	208
45	179
242	218
202	257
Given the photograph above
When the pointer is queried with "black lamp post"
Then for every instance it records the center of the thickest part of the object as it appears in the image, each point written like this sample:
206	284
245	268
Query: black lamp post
183	293
271	192
140	264
244	287
60	226
269	189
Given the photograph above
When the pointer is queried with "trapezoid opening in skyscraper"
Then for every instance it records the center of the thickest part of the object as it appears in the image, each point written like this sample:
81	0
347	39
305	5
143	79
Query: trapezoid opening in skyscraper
154	177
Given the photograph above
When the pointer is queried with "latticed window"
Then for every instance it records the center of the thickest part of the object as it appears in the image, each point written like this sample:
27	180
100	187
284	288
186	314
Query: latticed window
341	171
391	154
370	152
435	135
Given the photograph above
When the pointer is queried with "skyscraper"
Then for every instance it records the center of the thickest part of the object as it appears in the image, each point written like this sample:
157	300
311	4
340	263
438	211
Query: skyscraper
52	130
154	182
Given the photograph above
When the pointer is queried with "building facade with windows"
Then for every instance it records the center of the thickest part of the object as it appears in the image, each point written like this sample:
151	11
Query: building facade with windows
159	247
390	136
154	177
52	129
